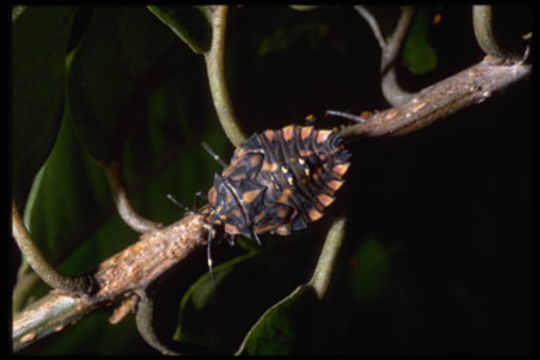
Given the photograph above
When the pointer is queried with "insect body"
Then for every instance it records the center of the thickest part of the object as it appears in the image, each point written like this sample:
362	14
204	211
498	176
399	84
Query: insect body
278	181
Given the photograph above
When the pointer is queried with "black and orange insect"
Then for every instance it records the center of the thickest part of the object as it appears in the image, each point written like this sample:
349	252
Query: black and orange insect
277	181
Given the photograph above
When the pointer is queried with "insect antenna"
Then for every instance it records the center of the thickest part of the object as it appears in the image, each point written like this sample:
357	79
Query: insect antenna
345	115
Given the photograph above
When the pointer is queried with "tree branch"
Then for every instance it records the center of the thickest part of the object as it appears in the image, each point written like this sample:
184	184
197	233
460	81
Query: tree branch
129	270
470	86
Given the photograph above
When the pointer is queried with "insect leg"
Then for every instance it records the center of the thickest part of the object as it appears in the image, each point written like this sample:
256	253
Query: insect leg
256	237
213	154
199	195
209	255
180	205
230	240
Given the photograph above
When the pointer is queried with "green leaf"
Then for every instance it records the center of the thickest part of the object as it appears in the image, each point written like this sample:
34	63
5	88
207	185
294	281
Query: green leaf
189	23
124	54
371	272
69	206
200	294
66	196
418	55
278	331
39	40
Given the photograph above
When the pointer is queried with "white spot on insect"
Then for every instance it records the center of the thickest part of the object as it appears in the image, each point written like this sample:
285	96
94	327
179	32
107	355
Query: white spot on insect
290	180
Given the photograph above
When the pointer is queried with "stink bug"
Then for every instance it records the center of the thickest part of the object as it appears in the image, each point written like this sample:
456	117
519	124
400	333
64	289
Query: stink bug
277	182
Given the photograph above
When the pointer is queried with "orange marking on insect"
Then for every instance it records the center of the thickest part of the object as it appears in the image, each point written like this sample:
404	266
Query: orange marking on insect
335	184
314	214
269	134
283	230
282	212
212	195
305	153
284	198
249	196
259	217
231	229
238	177
322	135
341	169
236	213
288	132
305	132
228	170
255	159
269	166
325	199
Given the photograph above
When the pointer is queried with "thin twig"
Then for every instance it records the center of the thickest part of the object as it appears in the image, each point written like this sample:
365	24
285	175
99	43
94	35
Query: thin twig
123	205
390	87
80	285
483	31
372	22
216	75
327	258
390	50
144	319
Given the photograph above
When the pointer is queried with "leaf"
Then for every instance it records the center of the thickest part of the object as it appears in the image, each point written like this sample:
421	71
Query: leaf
124	54
70	190
201	293
278	330
189	23
39	40
371	272
418	55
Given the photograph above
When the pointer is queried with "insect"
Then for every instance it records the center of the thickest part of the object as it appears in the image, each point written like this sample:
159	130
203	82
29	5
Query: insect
277	181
